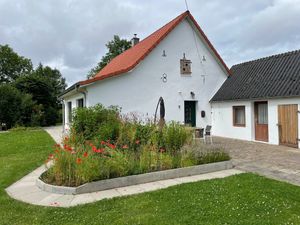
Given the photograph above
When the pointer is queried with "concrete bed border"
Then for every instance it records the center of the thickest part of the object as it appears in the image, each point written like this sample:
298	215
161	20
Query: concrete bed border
135	179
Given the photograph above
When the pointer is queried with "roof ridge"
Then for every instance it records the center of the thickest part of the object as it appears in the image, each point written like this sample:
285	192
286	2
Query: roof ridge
268	57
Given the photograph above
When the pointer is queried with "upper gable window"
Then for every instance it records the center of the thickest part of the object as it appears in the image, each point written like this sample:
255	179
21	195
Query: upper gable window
185	66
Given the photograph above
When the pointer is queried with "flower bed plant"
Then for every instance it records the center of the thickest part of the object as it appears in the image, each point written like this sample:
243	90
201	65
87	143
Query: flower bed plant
91	153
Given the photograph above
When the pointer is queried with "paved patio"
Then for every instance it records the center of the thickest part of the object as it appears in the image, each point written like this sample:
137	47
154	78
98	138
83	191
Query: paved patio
274	161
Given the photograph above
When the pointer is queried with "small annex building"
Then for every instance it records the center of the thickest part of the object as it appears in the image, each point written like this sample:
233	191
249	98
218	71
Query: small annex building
260	101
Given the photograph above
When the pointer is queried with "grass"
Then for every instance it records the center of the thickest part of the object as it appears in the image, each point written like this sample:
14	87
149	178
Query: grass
241	199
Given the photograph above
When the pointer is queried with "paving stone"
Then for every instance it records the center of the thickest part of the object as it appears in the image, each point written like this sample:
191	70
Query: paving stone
105	194
49	200
33	198
152	186
82	199
169	182
129	190
64	201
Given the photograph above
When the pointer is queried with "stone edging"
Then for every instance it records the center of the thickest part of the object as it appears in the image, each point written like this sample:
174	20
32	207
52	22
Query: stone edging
135	179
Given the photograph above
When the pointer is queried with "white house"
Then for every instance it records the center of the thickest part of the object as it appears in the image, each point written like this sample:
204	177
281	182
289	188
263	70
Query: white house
260	101
176	62
256	101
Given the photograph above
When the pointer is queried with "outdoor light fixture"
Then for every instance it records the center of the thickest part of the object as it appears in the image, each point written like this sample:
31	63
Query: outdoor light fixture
164	54
202	113
192	94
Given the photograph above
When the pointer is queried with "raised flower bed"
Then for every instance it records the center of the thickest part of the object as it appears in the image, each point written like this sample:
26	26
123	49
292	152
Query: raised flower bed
106	150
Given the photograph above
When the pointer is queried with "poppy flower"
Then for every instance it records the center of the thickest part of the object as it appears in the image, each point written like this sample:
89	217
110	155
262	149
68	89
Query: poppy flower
112	146
78	160
73	152
50	156
85	154
100	150
103	142
125	146
137	142
94	148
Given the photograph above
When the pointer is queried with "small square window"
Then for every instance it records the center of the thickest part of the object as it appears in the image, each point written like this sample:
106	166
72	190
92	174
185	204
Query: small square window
239	116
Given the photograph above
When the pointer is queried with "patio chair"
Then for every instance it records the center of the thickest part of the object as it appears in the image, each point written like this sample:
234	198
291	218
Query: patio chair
198	134
208	134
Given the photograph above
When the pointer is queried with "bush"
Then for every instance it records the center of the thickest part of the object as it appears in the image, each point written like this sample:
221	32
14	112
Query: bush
96	122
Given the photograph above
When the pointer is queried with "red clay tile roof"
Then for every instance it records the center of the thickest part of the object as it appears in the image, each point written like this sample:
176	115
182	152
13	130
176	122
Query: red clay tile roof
133	56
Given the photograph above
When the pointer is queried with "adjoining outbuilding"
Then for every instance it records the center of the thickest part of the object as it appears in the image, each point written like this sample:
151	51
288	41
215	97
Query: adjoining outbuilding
260	101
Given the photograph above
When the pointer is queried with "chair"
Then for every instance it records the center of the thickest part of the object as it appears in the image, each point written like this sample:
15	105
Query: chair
208	134
198	134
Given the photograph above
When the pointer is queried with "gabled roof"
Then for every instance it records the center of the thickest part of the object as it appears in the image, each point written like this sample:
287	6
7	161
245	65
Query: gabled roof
271	77
130	58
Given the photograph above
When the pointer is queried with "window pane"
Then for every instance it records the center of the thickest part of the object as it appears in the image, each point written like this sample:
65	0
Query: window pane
69	112
239	115
80	103
262	113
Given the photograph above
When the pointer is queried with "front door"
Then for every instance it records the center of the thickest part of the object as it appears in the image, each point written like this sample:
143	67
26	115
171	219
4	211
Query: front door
261	121
190	113
288	125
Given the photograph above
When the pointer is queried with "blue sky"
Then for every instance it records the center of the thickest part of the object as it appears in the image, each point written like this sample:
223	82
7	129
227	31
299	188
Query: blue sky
71	35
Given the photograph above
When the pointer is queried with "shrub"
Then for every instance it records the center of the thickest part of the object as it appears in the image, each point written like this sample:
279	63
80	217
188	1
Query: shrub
96	121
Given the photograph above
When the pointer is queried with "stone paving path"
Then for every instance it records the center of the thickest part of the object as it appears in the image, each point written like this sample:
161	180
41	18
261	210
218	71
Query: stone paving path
273	161
56	132
26	190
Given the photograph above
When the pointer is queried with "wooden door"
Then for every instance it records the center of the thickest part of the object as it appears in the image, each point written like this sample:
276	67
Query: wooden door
288	125
261	121
190	113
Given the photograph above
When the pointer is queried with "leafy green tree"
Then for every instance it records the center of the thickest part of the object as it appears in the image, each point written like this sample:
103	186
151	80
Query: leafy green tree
10	102
12	65
43	84
115	47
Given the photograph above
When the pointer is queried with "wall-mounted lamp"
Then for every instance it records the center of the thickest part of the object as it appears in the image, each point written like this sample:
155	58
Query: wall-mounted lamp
202	113
192	94
164	54
203	58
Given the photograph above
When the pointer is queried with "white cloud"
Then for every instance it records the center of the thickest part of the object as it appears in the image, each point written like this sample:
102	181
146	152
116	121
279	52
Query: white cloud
71	35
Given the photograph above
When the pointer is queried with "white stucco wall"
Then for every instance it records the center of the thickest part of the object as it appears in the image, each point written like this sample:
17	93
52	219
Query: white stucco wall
140	89
222	119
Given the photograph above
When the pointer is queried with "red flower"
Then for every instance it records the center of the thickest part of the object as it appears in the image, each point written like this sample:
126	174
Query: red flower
94	148
57	145
56	151
50	156
78	160
100	150
73	152
103	142
85	154
111	146
137	142
125	146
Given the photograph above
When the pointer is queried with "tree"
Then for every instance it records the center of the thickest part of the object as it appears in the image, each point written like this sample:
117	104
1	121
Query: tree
12	65
43	84
10	102
115	47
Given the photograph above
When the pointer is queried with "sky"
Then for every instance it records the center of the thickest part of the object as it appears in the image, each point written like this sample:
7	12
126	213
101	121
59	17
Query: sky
70	35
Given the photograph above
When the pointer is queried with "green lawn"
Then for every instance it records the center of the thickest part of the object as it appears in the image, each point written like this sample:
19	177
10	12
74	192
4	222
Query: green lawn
241	199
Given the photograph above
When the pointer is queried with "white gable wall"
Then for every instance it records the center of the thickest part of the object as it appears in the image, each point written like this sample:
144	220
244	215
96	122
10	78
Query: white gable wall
140	89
